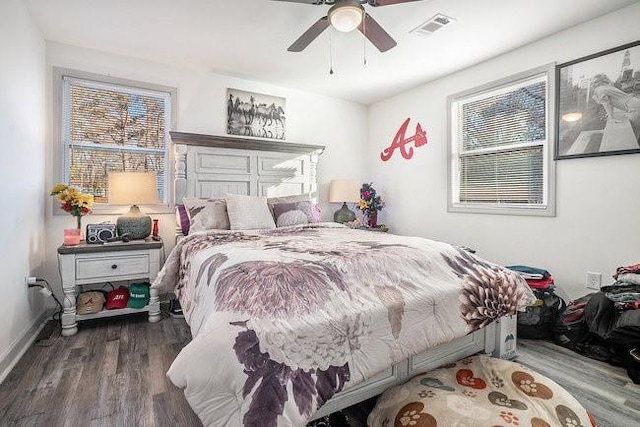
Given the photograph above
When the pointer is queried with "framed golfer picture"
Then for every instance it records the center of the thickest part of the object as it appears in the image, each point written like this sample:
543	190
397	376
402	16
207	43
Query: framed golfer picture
598	104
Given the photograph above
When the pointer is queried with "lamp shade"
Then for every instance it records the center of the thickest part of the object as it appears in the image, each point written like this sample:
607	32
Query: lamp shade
132	188
344	190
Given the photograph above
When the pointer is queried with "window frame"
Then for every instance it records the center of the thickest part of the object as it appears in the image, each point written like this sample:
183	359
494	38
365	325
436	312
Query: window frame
60	156
454	151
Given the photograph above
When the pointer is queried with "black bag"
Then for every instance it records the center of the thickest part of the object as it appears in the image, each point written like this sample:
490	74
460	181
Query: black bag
593	347
633	365
538	320
571	328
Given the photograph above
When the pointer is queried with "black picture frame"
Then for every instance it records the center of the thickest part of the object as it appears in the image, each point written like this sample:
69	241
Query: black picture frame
256	115
597	108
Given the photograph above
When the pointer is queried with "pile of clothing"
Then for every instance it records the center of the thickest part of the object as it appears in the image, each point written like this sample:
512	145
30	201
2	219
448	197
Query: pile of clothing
537	321
536	278
606	325
625	292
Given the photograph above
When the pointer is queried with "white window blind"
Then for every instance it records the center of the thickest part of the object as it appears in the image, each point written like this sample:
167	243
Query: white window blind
113	128
500	146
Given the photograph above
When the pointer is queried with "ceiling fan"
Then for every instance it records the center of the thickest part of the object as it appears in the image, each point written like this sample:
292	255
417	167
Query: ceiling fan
346	16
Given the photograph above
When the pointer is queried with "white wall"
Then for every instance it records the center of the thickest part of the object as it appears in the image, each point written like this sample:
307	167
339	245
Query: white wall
597	226
22	121
311	119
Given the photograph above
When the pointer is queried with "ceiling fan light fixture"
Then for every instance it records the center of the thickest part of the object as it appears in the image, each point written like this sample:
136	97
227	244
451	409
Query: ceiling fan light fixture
346	17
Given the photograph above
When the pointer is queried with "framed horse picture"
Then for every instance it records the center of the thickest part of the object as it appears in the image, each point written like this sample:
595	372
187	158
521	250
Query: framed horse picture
255	114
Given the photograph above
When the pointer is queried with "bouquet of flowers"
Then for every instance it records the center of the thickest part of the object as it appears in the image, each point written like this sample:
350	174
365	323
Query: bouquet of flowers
370	203
73	201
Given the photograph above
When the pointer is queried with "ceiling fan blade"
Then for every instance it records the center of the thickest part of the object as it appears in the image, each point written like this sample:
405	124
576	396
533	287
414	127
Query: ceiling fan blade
376	34
376	3
310	35
315	2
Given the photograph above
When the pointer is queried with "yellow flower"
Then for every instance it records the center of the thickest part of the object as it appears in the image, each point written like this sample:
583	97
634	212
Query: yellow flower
72	192
58	188
363	205
73	199
85	200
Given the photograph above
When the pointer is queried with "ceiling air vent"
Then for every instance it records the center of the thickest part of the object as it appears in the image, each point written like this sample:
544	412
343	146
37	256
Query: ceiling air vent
432	25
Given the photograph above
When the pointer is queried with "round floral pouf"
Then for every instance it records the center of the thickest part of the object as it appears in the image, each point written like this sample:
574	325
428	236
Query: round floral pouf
479	391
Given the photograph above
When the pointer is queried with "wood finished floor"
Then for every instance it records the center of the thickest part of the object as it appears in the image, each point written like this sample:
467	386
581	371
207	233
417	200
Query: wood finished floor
112	373
605	390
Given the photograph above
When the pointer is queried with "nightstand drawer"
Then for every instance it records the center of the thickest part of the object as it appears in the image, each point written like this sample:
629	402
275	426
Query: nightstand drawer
111	267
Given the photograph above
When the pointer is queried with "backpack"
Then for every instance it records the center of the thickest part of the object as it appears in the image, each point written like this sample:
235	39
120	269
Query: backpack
537	321
570	328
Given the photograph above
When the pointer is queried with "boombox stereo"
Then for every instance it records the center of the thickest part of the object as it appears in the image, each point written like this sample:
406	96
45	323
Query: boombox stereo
100	233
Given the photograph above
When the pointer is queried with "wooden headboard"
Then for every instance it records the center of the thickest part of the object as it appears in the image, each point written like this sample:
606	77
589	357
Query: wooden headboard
211	166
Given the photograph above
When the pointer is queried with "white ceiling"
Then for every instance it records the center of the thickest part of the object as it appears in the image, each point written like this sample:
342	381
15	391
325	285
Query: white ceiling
249	38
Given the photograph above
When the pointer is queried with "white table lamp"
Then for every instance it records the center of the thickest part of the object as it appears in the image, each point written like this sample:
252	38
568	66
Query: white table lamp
344	191
133	188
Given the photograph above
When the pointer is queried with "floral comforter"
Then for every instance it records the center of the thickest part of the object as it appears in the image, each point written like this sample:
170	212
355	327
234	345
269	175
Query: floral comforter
284	319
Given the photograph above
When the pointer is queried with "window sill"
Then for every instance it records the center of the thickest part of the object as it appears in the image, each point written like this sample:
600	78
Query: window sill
150	210
547	211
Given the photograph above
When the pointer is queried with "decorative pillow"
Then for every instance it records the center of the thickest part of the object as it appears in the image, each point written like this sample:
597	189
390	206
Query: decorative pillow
182	219
206	214
271	201
307	197
295	213
289	199
248	212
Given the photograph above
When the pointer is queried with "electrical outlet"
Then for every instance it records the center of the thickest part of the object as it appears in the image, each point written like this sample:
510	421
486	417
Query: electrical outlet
594	280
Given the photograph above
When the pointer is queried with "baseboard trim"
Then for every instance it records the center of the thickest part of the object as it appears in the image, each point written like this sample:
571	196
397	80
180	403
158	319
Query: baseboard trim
20	345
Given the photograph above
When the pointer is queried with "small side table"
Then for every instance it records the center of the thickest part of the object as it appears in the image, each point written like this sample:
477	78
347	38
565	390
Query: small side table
99	263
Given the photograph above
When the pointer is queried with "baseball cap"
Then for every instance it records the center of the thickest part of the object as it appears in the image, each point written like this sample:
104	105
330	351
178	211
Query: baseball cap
138	295
117	298
90	302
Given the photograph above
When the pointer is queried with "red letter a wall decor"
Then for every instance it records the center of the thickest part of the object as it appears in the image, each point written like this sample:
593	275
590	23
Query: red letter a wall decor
400	142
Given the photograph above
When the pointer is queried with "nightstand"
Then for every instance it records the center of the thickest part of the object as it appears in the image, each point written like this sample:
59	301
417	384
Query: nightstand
96	263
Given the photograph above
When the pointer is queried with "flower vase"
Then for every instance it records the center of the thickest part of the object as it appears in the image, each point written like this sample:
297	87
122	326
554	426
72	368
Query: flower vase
372	219
71	236
79	223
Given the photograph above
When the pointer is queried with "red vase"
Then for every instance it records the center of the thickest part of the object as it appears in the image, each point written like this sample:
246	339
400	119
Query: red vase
372	219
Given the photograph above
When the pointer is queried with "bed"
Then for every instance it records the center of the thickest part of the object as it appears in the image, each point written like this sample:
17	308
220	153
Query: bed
296	322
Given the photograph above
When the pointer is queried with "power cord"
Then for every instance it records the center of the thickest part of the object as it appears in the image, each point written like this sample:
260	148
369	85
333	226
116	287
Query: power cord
57	316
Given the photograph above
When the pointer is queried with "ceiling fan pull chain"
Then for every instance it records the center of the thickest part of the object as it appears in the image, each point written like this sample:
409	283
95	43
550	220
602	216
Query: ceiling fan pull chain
330	53
364	37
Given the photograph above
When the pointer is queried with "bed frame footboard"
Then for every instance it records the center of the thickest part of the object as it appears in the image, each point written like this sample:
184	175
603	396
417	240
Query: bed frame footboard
481	341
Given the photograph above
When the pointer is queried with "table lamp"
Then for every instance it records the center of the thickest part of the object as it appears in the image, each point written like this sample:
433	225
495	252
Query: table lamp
344	191
133	188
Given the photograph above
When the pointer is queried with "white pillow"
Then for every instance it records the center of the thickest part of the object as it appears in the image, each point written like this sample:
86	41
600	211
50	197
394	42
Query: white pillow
249	212
206	214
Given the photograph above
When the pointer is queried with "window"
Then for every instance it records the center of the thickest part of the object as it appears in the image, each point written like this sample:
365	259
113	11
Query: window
500	152
110	126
